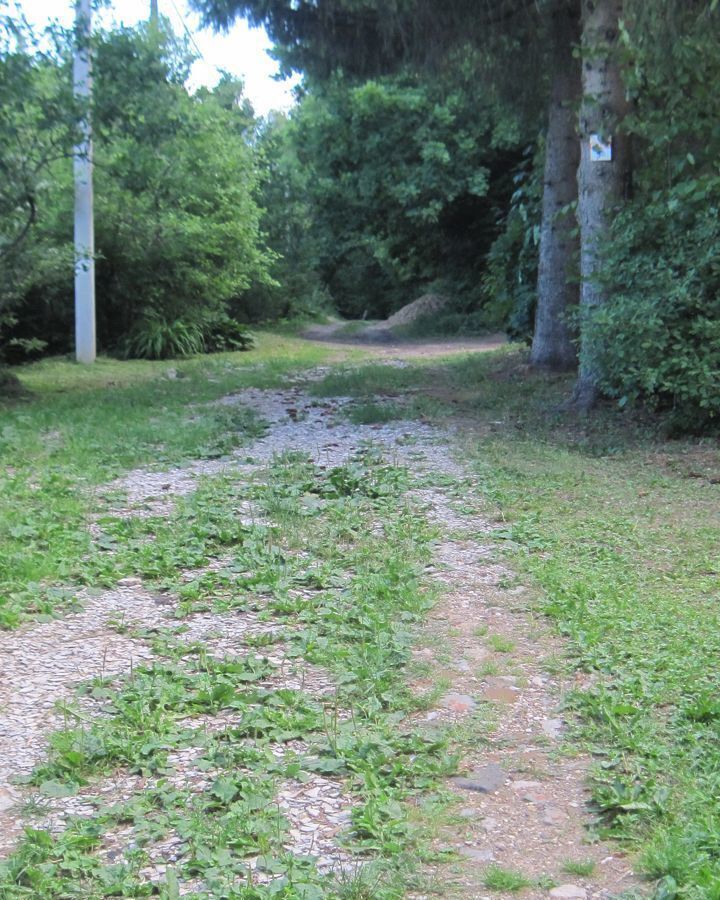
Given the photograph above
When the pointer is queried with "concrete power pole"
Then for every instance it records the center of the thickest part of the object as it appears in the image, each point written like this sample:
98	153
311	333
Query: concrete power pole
85	349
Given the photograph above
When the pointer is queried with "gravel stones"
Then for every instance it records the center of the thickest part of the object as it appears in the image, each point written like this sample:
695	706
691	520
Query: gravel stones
553	728
317	811
458	703
485	780
569	892
43	664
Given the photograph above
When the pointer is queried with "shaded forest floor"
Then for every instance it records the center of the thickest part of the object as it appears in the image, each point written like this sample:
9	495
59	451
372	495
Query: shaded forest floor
325	620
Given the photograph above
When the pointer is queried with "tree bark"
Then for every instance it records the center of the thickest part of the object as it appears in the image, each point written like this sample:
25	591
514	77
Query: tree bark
602	183
553	345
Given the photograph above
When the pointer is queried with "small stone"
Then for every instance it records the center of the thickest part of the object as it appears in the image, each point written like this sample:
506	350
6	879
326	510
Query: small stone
484	855
569	892
553	815
536	796
501	694
552	728
468	812
525	785
530	791
7	799
458	703
485	780
490	824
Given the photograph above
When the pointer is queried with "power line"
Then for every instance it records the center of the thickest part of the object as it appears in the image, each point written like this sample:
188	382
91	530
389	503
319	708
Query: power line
187	30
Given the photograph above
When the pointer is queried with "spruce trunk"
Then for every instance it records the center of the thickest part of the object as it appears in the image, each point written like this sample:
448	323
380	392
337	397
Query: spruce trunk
604	171
558	291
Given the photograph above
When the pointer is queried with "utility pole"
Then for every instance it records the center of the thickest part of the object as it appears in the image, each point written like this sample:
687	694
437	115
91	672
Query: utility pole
85	349
154	12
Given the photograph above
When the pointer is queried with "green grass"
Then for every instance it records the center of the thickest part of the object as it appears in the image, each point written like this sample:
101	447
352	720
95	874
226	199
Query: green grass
615	529
498	879
625	556
369	380
372	413
618	531
82	426
500	644
582	868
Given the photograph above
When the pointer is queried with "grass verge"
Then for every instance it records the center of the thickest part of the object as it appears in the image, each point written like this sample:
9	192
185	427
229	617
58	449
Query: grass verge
619	529
337	573
81	426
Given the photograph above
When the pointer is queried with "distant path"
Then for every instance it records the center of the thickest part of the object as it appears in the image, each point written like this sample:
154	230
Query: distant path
384	342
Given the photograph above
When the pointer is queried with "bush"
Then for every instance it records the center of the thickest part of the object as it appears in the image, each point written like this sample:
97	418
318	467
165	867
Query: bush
177	242
227	334
659	332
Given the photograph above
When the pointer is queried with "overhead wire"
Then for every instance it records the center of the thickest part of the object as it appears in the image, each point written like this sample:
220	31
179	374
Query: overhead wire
187	30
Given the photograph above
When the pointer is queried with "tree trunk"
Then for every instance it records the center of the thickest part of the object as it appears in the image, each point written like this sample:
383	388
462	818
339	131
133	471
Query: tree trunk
557	290
604	171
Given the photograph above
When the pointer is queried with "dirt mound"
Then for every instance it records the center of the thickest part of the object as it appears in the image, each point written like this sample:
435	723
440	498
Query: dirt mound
418	309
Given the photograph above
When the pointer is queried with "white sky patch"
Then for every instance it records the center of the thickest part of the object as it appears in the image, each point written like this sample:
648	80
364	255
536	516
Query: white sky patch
243	51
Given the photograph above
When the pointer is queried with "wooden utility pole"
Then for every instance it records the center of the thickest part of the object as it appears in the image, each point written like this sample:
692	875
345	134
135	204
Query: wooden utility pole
85	342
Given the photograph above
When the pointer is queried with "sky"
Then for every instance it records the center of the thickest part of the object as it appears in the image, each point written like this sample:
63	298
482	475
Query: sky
242	52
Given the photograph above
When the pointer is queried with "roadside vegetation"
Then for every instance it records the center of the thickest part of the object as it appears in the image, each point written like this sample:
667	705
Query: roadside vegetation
614	525
80	428
618	527
443	157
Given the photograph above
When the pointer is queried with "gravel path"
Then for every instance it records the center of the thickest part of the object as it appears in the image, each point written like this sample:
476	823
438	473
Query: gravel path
532	817
381	342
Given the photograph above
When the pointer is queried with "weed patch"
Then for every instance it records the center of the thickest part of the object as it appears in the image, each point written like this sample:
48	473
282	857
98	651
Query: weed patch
348	594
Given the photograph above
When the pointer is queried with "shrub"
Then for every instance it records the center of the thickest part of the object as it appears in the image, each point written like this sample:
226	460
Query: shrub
659	332
227	334
177	242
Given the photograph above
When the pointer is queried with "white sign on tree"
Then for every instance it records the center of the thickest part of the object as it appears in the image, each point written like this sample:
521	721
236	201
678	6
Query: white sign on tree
600	148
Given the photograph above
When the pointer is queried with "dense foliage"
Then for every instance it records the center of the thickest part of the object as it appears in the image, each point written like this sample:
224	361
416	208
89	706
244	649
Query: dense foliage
177	220
660	330
35	136
407	184
407	166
